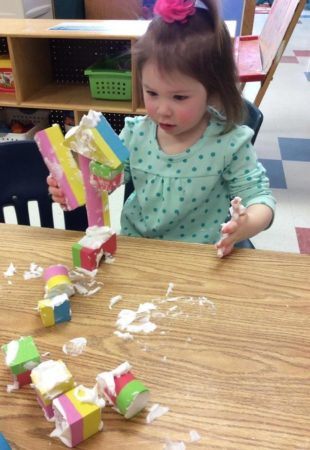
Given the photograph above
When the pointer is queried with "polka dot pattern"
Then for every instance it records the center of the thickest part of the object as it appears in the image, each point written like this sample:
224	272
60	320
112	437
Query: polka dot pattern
186	196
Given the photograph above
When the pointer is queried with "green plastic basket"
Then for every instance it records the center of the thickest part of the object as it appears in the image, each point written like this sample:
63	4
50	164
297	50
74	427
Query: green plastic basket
108	82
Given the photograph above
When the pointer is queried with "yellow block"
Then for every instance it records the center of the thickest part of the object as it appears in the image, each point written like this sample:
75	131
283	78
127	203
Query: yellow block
67	162
106	210
103	153
56	280
90	412
47	395
46	311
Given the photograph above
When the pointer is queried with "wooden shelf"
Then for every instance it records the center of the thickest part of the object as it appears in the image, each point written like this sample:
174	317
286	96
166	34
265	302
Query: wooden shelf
102	29
66	97
41	62
7	99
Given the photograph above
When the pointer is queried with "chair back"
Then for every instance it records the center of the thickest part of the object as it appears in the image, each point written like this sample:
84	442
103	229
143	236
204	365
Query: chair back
23	179
254	118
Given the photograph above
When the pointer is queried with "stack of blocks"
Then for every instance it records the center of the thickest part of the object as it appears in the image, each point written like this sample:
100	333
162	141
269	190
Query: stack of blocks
55	308
21	356
97	242
101	158
50	379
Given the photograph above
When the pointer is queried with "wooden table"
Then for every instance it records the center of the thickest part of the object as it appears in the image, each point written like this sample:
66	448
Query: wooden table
237	373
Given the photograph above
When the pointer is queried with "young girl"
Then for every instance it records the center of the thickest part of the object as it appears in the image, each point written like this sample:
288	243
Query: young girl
188	156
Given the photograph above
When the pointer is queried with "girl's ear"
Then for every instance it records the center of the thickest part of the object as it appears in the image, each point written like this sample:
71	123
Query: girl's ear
214	101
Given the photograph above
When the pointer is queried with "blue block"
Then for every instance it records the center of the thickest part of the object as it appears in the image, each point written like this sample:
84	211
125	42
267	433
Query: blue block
62	313
112	139
4	445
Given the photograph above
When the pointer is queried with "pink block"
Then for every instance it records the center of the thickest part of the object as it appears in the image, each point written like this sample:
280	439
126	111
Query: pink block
109	246
47	409
120	382
74	418
52	271
89	258
52	162
94	205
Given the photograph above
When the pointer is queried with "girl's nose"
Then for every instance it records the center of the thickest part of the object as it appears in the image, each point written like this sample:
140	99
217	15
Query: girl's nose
164	108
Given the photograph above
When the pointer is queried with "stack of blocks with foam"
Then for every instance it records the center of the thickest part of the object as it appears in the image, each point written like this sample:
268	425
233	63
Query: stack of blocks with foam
100	170
50	379
76	410
56	308
77	415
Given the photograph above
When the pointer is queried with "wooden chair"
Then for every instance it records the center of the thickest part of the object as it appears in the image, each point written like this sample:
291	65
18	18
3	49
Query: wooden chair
257	57
23	179
242	12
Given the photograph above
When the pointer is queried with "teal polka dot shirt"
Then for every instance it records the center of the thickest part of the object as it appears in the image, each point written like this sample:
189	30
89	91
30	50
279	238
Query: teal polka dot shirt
186	197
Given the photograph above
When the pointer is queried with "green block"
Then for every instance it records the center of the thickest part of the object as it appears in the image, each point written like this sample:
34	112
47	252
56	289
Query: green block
128	399
76	254
21	355
103	171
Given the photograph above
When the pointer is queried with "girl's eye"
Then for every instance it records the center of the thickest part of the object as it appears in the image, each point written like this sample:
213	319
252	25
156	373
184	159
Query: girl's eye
180	97
151	93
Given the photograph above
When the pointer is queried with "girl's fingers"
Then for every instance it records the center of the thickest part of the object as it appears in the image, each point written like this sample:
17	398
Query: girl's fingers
51	181
230	227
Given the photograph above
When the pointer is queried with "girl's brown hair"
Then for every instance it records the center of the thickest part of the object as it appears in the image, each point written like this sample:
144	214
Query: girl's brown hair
200	48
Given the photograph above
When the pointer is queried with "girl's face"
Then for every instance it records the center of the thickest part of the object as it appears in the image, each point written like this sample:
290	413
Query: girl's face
177	103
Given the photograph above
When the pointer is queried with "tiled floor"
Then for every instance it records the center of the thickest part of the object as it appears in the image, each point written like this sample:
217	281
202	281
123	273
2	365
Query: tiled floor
283	143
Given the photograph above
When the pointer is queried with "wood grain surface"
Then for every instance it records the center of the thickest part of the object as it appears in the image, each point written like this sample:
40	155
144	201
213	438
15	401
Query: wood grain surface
235	369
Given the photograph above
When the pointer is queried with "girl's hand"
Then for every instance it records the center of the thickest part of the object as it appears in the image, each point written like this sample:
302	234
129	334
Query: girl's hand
55	192
250	222
230	236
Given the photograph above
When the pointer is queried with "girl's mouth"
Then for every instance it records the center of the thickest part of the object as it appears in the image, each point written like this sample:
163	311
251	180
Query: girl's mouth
166	126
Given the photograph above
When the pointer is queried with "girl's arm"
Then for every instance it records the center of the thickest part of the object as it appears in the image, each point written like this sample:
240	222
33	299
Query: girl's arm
256	218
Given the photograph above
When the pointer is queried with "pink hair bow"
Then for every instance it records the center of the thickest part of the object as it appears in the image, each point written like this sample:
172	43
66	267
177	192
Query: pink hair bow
174	10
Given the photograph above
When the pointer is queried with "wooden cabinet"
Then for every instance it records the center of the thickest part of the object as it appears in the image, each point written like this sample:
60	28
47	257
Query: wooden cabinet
48	65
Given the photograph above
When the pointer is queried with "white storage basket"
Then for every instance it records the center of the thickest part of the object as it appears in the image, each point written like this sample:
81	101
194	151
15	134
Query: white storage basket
39	118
